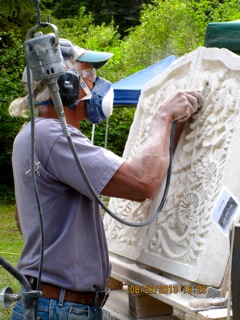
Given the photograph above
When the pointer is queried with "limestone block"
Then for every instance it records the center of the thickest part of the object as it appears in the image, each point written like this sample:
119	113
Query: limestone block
184	241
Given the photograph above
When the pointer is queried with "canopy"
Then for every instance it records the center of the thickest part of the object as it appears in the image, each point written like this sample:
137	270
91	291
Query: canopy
127	90
223	35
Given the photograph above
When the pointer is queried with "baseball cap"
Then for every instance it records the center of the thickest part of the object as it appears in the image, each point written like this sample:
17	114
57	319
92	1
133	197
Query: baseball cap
96	58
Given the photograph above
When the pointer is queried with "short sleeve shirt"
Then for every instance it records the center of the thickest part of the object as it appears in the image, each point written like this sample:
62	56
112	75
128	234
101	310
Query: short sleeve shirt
75	248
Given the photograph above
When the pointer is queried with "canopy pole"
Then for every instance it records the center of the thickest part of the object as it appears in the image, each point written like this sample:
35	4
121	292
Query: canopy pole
93	133
106	134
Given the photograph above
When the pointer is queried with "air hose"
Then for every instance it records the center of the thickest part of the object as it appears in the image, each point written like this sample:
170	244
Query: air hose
113	215
30	297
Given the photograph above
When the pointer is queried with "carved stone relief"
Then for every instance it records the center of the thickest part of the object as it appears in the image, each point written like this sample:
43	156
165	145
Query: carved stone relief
184	241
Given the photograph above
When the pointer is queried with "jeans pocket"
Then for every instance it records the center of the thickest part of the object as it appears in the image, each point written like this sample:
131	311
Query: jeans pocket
79	313
18	312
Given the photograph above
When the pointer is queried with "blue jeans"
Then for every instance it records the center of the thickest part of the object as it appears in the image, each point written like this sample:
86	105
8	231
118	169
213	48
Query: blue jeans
49	309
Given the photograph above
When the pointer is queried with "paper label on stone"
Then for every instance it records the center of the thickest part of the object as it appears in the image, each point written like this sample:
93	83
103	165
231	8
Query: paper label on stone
225	210
184	241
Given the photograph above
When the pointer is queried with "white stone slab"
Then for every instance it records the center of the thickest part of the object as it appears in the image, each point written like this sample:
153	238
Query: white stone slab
184	241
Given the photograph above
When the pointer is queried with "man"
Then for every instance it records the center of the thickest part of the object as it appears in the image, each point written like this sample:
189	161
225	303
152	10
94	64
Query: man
76	264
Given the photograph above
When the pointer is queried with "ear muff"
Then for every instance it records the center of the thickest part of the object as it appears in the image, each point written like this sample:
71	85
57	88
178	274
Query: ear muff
69	86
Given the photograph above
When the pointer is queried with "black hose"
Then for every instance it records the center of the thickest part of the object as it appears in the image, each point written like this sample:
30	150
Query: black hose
128	223
29	297
33	173
15	273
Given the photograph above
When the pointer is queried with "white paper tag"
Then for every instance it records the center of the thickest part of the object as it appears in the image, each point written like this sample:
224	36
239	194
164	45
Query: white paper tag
225	210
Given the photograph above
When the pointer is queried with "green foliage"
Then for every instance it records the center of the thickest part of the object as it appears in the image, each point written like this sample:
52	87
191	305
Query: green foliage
115	137
7	194
9	128
16	15
65	9
12	61
124	14
164	27
171	27
83	32
118	130
10	248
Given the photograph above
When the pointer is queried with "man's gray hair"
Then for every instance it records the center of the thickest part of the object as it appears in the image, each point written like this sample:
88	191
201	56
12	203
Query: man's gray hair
19	106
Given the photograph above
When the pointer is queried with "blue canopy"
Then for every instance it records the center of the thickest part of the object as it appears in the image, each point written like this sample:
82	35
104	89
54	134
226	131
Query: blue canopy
127	90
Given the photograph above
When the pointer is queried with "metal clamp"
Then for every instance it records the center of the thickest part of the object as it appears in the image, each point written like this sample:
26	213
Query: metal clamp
7	297
105	298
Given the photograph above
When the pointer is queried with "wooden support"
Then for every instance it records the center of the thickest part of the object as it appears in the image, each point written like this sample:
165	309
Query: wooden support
235	275
145	306
114	284
225	283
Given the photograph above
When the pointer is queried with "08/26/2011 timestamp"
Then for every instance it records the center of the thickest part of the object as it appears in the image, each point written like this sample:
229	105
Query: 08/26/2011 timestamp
168	289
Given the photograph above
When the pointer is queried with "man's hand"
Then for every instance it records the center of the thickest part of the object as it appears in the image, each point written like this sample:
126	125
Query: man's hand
181	105
140	177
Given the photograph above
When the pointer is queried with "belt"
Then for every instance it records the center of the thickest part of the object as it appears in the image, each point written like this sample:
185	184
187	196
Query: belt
50	291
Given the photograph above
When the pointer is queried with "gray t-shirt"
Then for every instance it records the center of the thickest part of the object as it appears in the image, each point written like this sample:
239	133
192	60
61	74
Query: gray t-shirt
75	254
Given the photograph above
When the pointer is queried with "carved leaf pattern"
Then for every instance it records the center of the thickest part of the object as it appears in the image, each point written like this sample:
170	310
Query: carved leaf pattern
182	230
180	234
130	210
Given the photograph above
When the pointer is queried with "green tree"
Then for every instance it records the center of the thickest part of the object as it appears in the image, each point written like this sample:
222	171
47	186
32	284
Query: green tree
16	15
112	135
171	27
165	27
12	61
82	31
125	14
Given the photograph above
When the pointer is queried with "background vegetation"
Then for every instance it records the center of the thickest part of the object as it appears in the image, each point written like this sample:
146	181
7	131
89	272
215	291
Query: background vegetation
138	32
10	247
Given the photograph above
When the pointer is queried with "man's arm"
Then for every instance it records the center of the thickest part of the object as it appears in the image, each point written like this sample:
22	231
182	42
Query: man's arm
140	177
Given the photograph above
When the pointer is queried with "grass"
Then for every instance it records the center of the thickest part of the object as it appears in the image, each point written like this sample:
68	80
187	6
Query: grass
11	244
10	248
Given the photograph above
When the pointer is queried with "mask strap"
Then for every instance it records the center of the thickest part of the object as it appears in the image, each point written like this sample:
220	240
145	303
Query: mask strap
86	89
45	103
82	82
87	97
70	66
82	85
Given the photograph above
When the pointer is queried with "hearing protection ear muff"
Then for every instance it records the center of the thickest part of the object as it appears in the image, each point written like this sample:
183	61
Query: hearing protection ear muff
69	86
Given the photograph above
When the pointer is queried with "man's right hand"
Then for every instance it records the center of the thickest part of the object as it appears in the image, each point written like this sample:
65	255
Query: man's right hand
181	105
141	176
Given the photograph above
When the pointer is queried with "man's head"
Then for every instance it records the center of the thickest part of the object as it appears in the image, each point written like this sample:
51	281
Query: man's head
76	84
81	67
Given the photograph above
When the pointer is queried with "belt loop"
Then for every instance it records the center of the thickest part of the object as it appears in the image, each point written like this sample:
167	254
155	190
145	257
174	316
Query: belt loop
61	297
96	298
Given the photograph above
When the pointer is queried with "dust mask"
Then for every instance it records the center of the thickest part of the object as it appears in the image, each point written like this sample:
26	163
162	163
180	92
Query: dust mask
100	105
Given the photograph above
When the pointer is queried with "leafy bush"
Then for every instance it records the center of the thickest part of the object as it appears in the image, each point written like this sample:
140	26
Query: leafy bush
82	32
172	27
166	27
6	194
112	135
12	62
